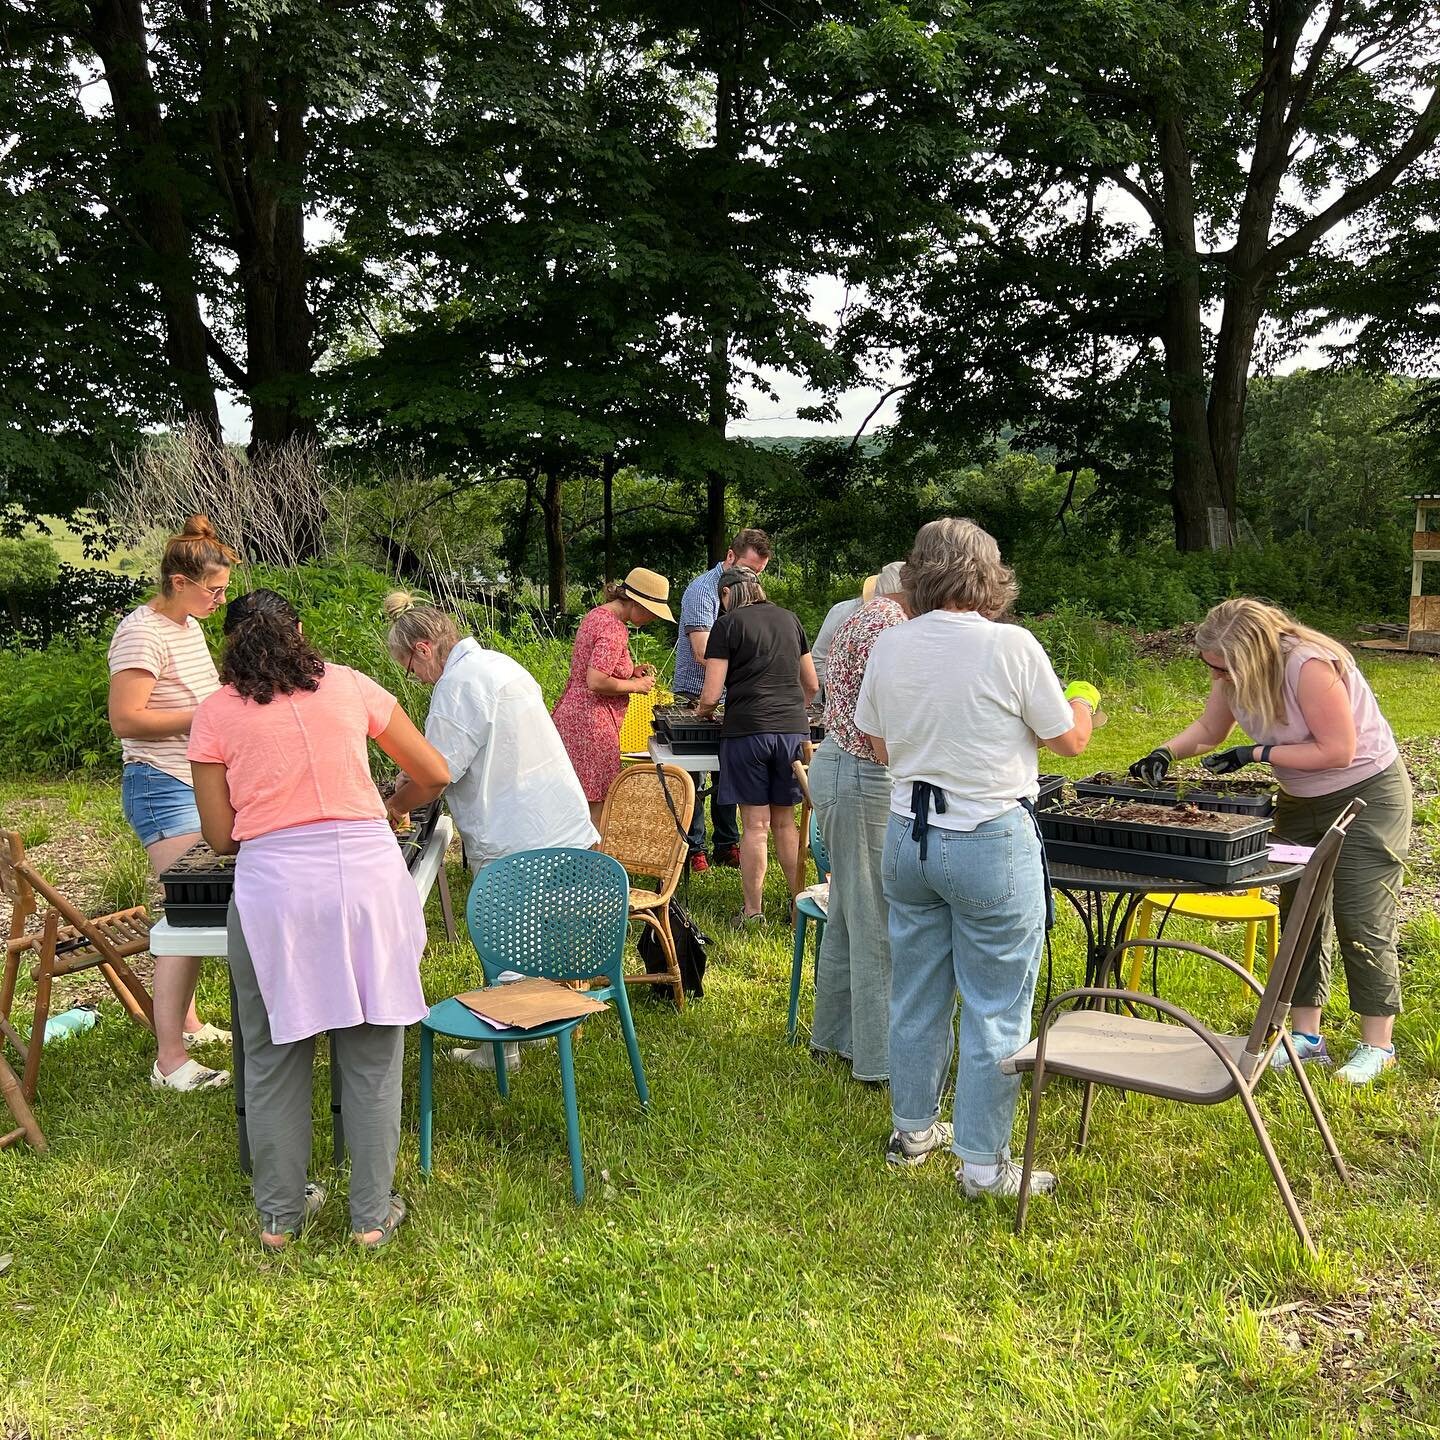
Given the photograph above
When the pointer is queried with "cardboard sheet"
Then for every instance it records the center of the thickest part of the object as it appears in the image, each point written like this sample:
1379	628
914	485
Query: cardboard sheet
524	1004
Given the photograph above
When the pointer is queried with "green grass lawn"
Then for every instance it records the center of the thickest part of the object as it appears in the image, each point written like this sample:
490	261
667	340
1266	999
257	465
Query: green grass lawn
745	1264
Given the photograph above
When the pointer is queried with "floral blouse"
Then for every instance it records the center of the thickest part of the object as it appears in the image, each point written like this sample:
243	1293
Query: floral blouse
849	653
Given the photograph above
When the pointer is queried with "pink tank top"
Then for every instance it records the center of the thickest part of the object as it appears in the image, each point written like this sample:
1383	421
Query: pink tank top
1374	741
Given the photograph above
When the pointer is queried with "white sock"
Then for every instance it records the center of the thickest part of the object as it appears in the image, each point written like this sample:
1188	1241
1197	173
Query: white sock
981	1174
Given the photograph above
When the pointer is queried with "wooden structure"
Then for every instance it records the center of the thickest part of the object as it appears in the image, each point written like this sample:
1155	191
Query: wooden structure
1425	576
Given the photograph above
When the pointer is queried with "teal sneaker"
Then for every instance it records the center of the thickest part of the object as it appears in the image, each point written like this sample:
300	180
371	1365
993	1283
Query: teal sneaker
1310	1048
1366	1063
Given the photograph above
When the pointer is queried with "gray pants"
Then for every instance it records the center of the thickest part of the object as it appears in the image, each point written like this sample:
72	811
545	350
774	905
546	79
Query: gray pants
278	1095
1368	878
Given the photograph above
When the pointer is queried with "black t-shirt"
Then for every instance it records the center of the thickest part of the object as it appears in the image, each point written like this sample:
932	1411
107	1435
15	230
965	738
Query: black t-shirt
763	644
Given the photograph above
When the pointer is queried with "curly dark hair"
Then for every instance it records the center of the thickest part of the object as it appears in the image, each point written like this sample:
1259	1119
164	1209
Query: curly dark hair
265	653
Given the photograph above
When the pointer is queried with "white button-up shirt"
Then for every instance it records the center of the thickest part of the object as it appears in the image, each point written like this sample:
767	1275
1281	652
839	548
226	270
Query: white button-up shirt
512	786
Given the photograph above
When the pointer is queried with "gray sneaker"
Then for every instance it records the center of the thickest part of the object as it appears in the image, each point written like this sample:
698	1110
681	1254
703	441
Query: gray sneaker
1006	1185
915	1147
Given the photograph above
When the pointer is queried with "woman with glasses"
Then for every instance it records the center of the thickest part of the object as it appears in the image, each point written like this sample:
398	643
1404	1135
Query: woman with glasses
160	671
1311	715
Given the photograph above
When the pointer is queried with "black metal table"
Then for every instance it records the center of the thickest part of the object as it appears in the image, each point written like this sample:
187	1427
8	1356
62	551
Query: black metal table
1106	901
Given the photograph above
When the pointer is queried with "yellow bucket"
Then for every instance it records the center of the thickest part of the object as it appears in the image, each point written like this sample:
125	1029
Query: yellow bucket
635	732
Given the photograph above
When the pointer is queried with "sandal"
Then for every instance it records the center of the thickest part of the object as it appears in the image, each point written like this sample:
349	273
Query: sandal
277	1241
192	1075
207	1034
387	1227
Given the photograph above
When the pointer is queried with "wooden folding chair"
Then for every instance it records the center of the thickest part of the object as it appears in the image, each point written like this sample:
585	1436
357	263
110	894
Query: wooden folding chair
647	836
65	943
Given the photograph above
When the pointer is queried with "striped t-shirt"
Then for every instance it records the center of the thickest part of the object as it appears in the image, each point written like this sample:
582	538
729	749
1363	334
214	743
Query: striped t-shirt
177	656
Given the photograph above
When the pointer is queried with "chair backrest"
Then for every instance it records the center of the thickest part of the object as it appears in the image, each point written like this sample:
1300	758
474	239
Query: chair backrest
13	883
1307	913
818	850
559	913
30	883
637	828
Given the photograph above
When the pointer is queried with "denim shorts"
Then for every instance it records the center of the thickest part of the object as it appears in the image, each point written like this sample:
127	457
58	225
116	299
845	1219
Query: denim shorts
759	770
157	805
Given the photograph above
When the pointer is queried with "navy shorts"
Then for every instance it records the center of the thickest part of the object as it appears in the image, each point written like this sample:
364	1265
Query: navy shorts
757	770
157	805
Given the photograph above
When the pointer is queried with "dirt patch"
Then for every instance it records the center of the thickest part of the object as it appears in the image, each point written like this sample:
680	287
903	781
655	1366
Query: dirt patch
1176	644
1169	817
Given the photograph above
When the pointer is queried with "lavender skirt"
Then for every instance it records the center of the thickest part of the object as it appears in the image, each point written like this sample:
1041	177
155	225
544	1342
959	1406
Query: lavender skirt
334	926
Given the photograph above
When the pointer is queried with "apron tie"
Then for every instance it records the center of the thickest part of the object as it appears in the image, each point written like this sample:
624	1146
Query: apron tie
922	796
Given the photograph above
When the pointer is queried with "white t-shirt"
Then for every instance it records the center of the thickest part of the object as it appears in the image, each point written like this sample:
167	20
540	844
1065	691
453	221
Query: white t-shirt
512	786
961	703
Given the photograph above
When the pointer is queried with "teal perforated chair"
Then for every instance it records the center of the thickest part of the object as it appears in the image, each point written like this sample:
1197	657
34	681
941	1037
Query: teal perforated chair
807	910
560	914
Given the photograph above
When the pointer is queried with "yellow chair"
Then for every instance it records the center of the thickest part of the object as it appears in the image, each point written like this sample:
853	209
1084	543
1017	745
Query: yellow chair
1247	909
635	729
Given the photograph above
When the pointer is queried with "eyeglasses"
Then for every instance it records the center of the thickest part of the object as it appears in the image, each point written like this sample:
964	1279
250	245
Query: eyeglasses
216	592
410	665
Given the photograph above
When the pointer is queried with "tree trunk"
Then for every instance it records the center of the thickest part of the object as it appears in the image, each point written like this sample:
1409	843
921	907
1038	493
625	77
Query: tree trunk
607	517
519	546
151	178
1195	488
555	543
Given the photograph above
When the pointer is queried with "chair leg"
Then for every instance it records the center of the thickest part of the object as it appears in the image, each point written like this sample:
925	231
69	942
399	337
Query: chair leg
1312	1100
1027	1161
14	1100
1277	1170
797	969
672	960
1139	930
502	1076
572	1117
31	1078
7	985
1252	931
632	1046
447	906
131	994
427	1098
1087	1096
1272	942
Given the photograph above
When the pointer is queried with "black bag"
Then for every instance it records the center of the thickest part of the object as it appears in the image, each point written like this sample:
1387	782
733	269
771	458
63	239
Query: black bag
690	940
690	943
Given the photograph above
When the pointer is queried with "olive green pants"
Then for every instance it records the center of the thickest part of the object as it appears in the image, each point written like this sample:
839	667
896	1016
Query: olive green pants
1368	878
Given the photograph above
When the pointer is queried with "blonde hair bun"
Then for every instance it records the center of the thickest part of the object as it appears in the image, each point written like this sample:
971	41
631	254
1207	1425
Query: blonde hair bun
396	603
199	527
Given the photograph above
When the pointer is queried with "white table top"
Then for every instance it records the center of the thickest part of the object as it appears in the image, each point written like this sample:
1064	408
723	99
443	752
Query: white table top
168	939
662	754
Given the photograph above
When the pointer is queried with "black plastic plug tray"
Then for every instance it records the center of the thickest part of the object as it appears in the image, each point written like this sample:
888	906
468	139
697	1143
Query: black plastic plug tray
1181	792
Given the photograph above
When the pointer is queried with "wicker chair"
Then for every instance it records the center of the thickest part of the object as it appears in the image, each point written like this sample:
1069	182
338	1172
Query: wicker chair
65	943
638	829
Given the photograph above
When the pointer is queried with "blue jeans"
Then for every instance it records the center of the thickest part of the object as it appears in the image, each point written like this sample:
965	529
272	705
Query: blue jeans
969	918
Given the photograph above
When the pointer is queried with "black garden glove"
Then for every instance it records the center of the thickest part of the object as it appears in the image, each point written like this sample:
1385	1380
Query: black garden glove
1150	770
1227	762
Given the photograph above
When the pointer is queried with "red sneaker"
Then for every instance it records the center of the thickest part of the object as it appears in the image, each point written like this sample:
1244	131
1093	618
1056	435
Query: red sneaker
698	863
728	855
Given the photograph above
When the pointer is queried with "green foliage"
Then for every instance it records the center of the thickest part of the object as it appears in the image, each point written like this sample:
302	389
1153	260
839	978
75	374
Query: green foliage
55	716
27	565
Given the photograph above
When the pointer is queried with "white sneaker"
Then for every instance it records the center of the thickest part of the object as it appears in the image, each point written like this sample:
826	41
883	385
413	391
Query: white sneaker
1366	1064
190	1076
1006	1185
915	1147
207	1034
482	1057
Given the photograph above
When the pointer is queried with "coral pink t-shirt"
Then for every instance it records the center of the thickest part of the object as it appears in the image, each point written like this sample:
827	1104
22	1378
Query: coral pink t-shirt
299	759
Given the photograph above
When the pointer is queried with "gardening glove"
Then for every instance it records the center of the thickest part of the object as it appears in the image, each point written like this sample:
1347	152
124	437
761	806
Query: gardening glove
1084	690
1150	770
1227	762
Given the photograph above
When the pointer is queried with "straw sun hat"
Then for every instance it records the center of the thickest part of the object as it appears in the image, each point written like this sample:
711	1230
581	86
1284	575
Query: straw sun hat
650	591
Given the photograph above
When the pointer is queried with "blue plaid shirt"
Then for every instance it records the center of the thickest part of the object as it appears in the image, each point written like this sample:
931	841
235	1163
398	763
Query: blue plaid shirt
699	610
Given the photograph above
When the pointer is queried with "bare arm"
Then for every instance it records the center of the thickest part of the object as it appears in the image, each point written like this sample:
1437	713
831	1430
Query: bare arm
698	640
877	745
715	673
597	682
1074	740
1325	704
809	681
426	773
212	800
1216	721
130	692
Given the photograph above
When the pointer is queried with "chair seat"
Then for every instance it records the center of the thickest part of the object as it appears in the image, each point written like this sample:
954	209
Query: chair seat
806	906
1131	1053
1248	908
127	930
452	1018
645	899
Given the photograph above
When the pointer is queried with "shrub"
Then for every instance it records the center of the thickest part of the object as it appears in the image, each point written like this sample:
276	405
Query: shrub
78	603
55	709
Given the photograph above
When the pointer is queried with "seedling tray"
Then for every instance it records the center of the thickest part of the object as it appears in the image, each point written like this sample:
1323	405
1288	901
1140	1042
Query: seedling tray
198	887
692	735
197	917
1154	847
1050	788
1242	797
422	826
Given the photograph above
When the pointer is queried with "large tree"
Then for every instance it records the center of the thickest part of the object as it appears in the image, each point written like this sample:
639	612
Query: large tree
1158	180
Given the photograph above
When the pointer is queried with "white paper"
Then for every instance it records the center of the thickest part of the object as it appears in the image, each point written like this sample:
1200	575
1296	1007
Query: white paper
1291	854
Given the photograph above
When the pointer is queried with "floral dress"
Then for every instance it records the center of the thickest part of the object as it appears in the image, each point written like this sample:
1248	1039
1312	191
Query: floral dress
589	724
